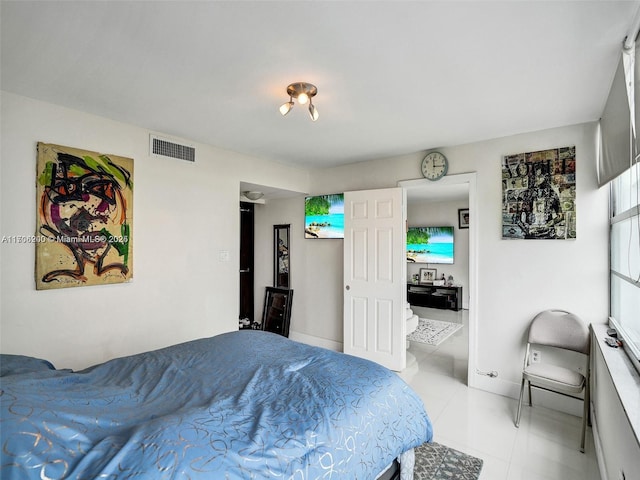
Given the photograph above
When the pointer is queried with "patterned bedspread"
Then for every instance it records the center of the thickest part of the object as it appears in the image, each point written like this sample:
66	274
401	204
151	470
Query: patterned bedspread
246	404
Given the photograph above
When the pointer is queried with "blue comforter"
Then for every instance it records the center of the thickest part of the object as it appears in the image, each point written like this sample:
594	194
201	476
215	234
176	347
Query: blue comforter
247	405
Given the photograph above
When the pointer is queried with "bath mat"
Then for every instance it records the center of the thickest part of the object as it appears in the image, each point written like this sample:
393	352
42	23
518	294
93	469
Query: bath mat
433	332
439	462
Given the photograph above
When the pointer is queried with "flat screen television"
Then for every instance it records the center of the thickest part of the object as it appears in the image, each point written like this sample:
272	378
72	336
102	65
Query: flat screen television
324	216
430	245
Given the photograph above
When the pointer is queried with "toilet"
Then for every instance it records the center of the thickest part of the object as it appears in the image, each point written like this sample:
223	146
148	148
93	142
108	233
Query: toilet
412	321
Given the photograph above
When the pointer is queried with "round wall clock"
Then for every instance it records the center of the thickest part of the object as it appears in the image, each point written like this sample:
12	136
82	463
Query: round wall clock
434	166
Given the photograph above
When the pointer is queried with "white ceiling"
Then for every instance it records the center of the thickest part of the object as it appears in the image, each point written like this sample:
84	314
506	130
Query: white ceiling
393	77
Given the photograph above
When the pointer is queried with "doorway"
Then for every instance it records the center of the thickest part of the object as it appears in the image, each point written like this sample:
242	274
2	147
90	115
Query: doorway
445	186
247	301
256	243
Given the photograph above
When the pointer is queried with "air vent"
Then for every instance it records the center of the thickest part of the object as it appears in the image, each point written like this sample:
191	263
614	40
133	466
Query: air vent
166	148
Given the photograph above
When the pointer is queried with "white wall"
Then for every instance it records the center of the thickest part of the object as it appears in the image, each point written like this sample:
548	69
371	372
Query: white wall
517	278
435	214
312	279
184	215
278	212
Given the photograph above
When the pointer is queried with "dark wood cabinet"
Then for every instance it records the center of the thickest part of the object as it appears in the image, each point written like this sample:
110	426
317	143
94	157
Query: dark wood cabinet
434	296
276	315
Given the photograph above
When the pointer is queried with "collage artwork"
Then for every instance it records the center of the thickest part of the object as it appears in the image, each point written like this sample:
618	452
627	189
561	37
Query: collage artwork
538	194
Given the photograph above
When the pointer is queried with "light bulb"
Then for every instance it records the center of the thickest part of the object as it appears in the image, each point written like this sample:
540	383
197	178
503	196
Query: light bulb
286	108
303	98
313	112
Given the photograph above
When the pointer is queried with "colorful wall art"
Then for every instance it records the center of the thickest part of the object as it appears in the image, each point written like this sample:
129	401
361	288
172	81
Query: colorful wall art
84	218
324	216
430	245
539	194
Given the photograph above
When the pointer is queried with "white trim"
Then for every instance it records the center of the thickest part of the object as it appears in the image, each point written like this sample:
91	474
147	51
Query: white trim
498	386
473	378
315	341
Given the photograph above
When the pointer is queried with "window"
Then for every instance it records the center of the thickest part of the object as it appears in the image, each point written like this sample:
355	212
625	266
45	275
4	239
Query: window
625	258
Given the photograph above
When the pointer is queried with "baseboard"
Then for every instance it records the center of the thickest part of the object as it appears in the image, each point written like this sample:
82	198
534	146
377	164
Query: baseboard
496	385
541	398
315	341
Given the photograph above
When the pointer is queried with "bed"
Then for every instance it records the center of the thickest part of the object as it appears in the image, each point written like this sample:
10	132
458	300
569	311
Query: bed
241	405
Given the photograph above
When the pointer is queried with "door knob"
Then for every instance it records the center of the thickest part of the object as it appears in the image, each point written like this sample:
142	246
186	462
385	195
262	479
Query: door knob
347	287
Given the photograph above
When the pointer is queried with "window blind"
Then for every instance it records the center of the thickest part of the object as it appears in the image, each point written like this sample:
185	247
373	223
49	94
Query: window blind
615	130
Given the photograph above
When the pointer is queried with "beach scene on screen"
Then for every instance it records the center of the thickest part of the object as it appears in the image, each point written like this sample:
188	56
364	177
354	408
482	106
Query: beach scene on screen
430	245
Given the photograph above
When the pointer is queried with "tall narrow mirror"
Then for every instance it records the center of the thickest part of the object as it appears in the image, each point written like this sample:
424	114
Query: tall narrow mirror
281	257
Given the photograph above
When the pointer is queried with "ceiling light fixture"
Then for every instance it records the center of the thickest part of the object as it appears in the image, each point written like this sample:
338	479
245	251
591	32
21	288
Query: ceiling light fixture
303	92
253	195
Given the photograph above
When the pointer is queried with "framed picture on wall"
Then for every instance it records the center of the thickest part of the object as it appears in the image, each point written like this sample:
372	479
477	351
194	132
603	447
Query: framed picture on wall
428	275
324	216
463	218
539	195
85	215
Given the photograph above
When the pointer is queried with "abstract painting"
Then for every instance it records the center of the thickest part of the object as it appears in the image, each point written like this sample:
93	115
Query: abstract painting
539	194
84	218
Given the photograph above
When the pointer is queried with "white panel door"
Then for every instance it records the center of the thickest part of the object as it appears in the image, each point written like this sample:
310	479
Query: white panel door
374	276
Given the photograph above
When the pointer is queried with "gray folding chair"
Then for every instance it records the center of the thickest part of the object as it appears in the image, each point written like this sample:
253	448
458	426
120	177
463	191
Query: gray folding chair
563	330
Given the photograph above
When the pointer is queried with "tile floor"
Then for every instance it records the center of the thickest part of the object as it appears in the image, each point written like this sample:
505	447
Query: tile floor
545	447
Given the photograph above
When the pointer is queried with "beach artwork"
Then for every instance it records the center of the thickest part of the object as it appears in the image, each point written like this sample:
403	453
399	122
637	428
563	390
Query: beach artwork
430	245
324	216
85	207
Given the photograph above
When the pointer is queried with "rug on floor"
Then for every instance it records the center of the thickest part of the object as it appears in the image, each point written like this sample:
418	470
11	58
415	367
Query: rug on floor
439	462
433	332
